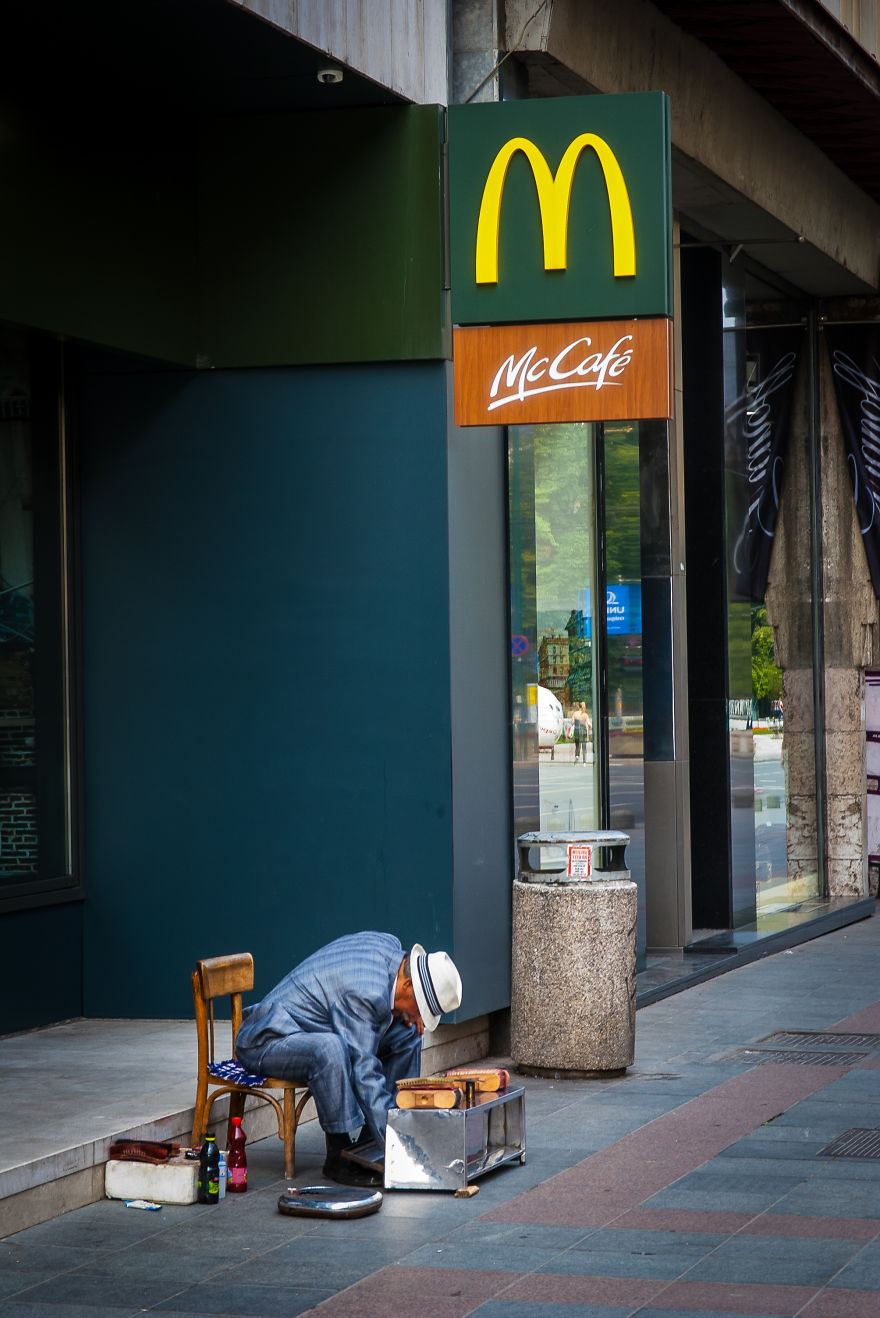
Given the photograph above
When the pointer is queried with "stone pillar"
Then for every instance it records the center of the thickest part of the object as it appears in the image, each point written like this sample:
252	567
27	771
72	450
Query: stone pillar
845	794
799	759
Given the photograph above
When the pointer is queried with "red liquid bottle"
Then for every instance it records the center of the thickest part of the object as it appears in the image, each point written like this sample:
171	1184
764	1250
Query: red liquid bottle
236	1159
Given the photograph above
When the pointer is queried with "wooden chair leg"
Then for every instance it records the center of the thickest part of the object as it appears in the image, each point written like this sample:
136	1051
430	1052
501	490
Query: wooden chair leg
289	1134
198	1130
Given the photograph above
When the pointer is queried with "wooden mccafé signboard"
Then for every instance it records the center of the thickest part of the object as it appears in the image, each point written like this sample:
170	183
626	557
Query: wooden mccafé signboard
561	243
610	370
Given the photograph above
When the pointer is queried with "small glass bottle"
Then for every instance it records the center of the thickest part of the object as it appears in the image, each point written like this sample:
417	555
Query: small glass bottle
236	1158
209	1172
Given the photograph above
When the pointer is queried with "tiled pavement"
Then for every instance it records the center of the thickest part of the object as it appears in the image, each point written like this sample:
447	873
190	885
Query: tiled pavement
692	1186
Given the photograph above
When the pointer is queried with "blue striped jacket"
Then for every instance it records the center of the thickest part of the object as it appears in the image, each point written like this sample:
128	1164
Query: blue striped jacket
347	989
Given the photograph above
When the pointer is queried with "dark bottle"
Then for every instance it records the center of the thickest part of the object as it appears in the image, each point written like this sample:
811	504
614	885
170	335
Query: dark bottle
209	1172
236	1159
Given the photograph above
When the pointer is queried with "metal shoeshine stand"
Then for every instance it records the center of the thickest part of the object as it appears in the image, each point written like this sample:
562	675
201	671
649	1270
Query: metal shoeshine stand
440	1149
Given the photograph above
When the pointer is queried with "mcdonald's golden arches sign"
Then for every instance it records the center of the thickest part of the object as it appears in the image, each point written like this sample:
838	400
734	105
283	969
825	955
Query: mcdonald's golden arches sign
560	209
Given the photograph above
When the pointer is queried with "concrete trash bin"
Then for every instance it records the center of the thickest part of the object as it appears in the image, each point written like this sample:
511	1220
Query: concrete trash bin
573	991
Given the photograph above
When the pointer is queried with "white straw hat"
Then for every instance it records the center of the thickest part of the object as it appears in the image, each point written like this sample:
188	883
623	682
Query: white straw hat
436	984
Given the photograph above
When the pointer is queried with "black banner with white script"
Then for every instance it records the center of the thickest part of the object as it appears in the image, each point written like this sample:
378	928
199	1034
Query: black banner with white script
855	362
760	419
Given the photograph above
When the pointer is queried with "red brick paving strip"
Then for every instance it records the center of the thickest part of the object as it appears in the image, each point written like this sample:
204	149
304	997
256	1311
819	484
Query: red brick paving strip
417	1293
866	1021
683	1219
735	1297
717	1296
617	1179
818	1228
555	1288
785	1225
844	1304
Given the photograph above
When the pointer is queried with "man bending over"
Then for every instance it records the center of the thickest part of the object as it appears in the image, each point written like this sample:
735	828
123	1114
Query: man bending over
348	1022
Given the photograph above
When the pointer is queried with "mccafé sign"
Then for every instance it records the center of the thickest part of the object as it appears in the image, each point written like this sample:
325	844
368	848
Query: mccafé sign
609	370
560	212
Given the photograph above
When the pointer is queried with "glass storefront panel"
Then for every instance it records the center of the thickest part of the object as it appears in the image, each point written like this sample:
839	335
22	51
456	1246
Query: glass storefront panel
565	777
782	880
35	851
739	669
553	593
759	365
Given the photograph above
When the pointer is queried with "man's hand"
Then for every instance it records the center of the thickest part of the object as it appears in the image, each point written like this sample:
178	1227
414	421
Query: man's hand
411	1018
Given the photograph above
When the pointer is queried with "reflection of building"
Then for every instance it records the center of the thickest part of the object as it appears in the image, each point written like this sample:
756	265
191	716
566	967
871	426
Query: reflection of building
553	664
580	678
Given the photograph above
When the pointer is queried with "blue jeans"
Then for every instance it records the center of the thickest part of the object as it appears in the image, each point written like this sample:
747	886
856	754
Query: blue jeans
322	1062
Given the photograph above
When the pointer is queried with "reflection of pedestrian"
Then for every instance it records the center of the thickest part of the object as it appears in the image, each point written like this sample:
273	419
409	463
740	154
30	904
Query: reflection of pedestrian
580	740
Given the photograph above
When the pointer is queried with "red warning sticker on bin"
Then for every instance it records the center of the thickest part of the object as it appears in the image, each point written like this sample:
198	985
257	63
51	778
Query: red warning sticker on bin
579	861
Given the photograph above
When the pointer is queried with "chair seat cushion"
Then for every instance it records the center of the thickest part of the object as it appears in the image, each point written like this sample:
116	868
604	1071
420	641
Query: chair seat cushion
235	1073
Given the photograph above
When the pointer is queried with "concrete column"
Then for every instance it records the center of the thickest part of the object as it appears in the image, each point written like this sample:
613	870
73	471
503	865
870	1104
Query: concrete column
475	53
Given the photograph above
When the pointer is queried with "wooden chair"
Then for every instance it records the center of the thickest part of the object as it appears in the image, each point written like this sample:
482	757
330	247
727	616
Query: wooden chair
233	975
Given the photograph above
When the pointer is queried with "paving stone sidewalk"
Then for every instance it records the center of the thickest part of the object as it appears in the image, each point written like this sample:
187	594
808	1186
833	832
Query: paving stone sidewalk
696	1185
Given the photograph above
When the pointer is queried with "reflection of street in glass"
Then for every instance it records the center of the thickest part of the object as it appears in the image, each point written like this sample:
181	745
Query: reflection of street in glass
567	794
777	890
567	802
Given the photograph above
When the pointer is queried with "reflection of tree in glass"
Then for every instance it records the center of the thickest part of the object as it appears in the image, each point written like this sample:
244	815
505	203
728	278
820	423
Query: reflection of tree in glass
564	536
766	677
623	546
563	517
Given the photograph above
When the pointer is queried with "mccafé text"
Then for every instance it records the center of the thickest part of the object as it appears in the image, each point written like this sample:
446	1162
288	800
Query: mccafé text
573	367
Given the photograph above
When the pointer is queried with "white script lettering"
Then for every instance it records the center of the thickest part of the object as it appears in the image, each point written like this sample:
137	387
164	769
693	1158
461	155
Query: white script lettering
852	374
571	368
758	433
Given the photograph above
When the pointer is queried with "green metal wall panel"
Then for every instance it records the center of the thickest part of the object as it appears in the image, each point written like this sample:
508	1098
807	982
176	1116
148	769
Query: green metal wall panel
249	241
97	231
321	238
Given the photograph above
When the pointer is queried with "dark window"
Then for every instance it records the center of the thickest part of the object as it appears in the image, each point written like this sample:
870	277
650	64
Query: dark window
36	852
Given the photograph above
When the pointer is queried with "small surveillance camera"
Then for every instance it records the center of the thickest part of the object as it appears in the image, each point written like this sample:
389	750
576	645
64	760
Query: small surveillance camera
329	75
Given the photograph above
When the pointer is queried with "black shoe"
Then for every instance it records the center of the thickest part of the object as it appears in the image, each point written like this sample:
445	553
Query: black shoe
345	1172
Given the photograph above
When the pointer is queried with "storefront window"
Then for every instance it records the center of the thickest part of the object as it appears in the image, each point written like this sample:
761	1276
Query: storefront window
35	851
760	367
553	594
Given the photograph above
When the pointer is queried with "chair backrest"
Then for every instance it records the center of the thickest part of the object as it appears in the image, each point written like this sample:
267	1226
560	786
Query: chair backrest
215	977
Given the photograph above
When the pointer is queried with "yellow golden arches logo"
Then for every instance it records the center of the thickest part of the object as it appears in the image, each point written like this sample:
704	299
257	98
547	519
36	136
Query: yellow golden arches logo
554	196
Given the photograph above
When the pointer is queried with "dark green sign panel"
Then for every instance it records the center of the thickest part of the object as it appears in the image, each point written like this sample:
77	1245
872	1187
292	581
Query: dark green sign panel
560	209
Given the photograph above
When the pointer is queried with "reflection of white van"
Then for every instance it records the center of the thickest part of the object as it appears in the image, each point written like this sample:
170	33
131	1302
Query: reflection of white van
549	718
